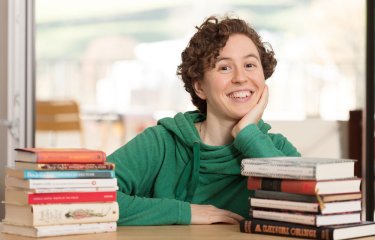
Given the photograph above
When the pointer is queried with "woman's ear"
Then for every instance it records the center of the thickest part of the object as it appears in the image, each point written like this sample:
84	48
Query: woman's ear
199	90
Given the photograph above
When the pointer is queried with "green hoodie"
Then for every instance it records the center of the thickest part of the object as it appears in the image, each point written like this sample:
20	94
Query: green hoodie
167	167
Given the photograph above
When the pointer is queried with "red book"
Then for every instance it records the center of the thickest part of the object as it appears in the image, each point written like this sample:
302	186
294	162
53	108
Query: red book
25	197
308	187
60	155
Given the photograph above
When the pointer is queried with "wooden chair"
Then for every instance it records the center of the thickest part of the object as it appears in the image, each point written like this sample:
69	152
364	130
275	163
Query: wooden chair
58	116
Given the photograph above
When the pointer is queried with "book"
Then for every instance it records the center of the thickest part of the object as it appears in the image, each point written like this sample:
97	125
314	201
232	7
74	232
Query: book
308	187
337	232
59	183
306	198
25	197
59	230
298	168
37	174
53	214
64	166
306	218
321	208
69	189
60	155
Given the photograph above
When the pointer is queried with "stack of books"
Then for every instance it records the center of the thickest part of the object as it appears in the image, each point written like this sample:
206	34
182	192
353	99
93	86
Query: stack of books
51	192
311	198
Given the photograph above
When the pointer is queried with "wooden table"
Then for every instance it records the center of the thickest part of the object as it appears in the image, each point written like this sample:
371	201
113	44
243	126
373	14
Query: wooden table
175	232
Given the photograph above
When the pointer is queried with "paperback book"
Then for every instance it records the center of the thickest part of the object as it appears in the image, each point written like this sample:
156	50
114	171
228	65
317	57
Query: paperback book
298	168
306	198
64	166
37	174
60	155
306	218
59	183
317	207
54	214
24	197
59	230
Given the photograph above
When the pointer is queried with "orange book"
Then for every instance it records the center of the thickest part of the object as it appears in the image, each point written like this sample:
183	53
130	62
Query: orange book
60	155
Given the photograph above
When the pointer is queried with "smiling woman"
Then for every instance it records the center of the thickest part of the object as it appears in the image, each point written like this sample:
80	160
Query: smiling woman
190	173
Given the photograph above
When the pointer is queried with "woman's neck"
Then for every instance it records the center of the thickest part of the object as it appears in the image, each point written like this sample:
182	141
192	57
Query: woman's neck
215	132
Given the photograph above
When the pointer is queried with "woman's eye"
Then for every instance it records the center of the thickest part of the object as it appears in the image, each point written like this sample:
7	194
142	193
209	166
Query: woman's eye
250	65
224	68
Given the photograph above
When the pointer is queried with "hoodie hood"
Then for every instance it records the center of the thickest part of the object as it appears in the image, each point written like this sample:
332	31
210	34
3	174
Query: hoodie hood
218	162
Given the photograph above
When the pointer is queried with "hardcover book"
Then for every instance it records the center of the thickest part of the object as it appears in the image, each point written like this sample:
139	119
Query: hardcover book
59	230
24	197
59	183
306	218
321	208
60	155
298	168
53	214
308	187
306	198
64	166
36	174
337	232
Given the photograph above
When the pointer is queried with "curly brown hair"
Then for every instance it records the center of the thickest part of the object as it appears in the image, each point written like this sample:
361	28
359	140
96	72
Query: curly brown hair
204	48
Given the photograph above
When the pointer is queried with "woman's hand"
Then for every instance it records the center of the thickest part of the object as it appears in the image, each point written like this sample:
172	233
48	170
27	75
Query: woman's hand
208	214
254	115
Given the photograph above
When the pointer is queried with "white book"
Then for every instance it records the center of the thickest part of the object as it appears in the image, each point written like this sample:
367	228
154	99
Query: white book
68	189
59	230
60	183
298	168
307	219
312	207
53	214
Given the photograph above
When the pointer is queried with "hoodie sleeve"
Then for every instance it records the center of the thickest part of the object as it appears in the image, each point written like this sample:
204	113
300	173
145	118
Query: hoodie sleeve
255	141
137	166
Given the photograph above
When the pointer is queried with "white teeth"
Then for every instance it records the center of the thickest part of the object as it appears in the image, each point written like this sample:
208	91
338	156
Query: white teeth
240	94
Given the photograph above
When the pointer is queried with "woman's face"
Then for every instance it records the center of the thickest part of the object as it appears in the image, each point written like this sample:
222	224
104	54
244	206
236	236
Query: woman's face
233	87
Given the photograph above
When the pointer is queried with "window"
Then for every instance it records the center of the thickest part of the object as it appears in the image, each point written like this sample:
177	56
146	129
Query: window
121	56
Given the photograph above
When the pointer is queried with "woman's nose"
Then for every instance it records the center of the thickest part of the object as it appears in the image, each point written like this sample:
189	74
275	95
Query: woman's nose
239	76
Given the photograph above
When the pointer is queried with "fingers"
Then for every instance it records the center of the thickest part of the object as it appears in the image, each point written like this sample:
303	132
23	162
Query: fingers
263	100
254	115
208	214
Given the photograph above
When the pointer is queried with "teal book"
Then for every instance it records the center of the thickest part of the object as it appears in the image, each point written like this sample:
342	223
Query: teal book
36	174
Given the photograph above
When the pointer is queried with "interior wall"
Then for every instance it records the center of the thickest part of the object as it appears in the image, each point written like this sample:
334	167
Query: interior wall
315	137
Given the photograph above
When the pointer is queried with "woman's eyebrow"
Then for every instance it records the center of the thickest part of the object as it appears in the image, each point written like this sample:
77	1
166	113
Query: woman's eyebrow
251	55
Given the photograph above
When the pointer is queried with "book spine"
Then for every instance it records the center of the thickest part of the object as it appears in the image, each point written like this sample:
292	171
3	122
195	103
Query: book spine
284	229
282	185
285	196
284	216
35	174
60	183
59	230
73	166
51	214
251	168
78	189
286	205
71	157
71	197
